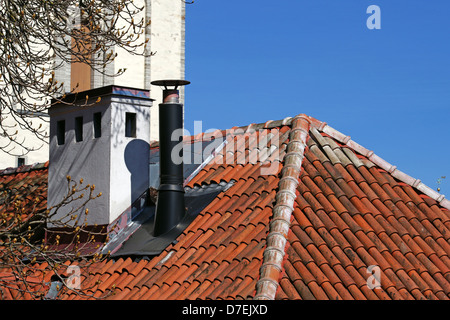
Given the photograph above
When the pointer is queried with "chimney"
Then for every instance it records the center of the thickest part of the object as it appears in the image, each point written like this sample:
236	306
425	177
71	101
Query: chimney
103	137
170	206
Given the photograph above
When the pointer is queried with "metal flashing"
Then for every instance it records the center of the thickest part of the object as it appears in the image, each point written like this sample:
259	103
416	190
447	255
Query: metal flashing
143	243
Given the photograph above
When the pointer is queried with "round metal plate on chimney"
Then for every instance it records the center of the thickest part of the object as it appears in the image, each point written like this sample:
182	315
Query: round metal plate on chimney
170	83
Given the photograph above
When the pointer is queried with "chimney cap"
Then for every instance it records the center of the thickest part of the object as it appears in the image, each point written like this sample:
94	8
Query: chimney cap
171	95
170	83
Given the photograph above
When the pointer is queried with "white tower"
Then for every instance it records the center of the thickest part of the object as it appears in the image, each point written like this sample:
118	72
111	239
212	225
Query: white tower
166	35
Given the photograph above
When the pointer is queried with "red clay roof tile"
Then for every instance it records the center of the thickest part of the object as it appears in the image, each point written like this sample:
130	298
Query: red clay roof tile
350	210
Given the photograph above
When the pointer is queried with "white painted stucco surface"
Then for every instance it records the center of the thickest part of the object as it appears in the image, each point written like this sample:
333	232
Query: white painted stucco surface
118	166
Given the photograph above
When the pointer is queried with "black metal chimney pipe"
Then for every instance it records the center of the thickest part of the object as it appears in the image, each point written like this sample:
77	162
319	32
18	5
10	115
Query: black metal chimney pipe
170	207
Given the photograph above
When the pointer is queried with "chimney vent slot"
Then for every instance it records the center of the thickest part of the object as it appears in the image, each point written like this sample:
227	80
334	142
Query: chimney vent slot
97	125
130	125
61	132
78	129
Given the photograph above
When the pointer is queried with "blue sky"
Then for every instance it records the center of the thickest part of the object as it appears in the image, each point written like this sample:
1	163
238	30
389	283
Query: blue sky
389	89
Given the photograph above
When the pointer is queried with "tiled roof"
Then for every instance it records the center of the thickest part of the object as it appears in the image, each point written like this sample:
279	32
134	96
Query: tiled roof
23	191
351	215
311	215
28	184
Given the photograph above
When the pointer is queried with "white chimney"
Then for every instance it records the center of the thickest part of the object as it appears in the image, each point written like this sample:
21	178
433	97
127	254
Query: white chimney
106	144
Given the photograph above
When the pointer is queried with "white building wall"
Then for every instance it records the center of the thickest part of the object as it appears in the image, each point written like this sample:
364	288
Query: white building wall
129	164
167	41
80	160
29	139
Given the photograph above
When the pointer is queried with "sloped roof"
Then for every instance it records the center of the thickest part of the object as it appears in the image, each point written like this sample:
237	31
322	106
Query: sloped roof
28	184
311	215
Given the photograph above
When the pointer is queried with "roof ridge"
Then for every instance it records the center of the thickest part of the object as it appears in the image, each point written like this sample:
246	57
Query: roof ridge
275	251
276	240
269	124
383	164
24	168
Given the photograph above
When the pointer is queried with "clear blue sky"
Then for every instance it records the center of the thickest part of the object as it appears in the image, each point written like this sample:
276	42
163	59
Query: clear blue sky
250	61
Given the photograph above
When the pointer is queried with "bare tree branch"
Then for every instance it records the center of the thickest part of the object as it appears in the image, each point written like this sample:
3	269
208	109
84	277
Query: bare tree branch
30	262
38	37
